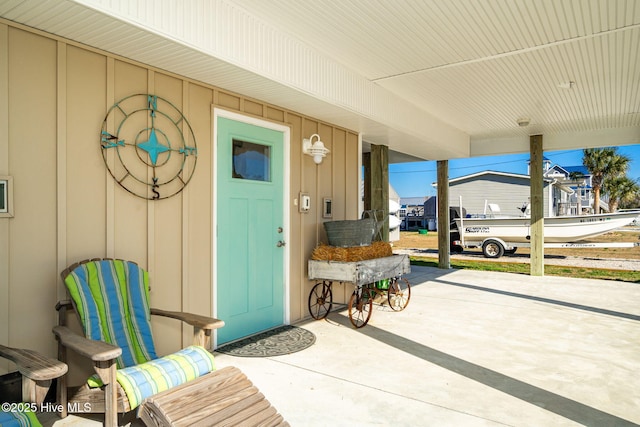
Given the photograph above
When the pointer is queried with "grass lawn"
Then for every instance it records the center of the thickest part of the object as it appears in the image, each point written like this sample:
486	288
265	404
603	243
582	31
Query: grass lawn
414	240
551	270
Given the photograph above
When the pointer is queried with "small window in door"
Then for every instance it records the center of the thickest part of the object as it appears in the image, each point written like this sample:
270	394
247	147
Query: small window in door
251	161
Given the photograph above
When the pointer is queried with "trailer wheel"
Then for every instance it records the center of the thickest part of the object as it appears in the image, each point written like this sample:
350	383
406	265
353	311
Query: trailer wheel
492	249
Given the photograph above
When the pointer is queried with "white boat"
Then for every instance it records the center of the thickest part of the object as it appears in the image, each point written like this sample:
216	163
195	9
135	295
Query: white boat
394	222
559	229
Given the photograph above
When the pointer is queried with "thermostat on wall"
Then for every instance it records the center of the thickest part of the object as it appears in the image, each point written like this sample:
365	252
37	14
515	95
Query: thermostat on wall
304	204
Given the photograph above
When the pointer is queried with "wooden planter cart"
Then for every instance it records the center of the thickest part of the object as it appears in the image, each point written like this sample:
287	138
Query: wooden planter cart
379	277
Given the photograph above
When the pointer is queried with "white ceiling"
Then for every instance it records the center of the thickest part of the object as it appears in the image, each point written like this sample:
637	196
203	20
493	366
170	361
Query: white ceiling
435	79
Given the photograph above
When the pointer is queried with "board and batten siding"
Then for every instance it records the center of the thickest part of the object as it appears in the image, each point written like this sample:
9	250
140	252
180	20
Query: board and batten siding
508	192
54	95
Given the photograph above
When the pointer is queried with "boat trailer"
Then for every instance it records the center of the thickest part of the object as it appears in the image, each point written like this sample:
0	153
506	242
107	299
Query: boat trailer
494	247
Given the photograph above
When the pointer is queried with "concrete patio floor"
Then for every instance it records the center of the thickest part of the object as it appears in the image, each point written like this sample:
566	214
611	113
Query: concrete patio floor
471	349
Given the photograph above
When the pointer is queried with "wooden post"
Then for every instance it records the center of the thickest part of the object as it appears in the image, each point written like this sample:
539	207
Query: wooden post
366	166
107	372
444	246
376	184
537	206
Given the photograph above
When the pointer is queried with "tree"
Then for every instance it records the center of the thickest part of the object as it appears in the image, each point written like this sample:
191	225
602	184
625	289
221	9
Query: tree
603	164
632	203
576	176
622	191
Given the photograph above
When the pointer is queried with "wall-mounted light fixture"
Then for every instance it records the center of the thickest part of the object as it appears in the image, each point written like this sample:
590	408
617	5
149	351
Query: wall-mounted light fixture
316	149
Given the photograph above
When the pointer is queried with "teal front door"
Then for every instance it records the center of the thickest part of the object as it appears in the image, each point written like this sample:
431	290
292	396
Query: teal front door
250	285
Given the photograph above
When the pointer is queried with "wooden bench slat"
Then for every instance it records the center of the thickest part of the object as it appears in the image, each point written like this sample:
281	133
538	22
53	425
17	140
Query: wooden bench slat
210	404
251	416
187	398
223	397
239	411
275	420
87	399
211	382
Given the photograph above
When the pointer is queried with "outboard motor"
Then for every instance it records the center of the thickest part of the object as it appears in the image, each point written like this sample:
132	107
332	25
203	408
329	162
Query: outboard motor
454	233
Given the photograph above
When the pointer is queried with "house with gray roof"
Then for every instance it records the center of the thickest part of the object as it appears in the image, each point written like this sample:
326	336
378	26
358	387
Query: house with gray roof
567	191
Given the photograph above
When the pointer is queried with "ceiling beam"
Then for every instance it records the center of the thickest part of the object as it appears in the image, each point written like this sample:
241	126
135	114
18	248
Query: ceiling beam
562	141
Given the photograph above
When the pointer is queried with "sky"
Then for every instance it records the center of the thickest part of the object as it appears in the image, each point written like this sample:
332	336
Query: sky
415	179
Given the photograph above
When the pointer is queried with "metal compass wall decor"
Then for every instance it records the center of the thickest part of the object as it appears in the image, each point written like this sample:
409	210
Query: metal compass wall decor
148	146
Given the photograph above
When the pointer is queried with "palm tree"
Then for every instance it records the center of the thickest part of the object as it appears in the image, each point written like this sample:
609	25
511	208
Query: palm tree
621	190
603	163
576	176
633	202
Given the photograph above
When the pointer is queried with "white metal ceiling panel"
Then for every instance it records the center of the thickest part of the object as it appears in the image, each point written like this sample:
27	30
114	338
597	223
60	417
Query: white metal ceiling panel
422	76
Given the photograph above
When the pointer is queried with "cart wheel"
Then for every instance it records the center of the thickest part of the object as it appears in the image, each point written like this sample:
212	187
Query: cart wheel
320	300
360	307
399	293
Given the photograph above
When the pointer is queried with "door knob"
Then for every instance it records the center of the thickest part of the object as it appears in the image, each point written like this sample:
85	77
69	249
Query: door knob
280	243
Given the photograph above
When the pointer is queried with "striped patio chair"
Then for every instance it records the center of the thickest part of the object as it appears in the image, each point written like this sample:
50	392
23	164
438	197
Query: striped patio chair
111	299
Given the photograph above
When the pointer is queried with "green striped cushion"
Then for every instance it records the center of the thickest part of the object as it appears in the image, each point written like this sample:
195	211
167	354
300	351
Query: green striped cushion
19	419
147	379
112	298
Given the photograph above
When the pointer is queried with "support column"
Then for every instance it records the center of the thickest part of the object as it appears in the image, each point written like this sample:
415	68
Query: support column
366	195
537	206
444	246
376	184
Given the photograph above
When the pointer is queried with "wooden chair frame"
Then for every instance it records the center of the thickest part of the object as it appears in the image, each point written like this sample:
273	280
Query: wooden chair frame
103	356
37	371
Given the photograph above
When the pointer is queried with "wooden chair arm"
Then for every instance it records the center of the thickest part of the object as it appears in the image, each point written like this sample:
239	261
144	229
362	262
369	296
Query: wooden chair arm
97	351
202	325
202	322
104	357
33	365
37	371
66	304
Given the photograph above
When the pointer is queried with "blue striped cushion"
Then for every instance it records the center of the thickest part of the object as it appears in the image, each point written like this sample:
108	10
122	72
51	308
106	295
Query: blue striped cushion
147	379
112	298
19	419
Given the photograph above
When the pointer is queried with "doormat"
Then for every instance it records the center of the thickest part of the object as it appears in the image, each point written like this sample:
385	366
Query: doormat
276	342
